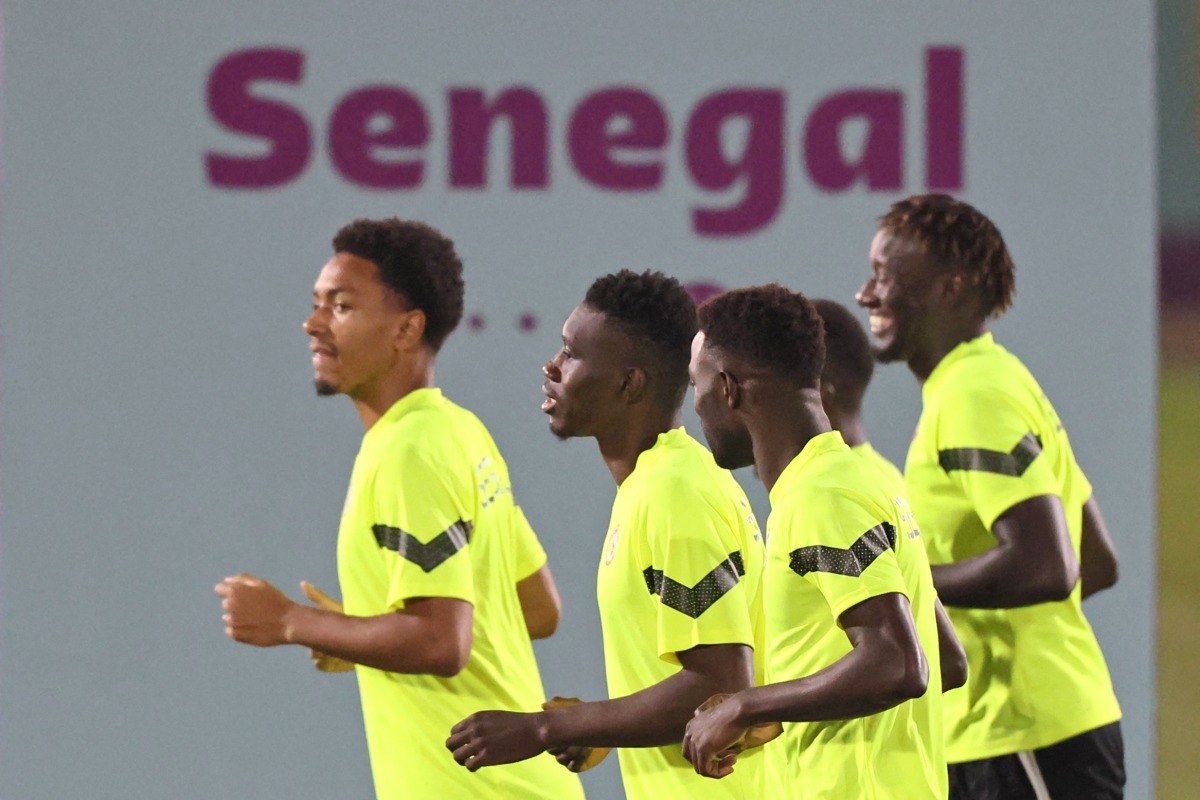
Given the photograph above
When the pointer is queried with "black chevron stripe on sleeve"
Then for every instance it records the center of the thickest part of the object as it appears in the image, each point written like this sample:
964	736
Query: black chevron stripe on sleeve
426	555
697	599
851	562
975	459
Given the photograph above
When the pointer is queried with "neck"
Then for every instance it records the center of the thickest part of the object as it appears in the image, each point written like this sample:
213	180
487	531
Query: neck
780	429
922	364
374	401
849	424
631	437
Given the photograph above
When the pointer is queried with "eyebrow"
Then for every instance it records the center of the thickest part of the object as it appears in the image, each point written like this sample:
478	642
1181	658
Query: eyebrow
336	290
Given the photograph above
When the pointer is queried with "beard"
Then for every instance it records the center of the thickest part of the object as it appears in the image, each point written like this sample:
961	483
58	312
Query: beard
730	449
889	351
324	388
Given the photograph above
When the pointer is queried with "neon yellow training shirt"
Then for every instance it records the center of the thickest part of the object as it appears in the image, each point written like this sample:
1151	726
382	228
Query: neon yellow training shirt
681	567
430	513
895	478
835	538
987	440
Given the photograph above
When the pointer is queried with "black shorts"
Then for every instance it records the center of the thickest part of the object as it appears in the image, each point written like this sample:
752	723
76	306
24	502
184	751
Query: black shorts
1090	766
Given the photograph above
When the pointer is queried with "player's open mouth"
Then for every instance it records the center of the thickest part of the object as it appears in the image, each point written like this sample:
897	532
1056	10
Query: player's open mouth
550	402
880	323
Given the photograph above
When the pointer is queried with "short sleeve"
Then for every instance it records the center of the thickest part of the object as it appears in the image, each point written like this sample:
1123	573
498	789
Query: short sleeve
423	524
697	573
990	448
530	557
844	549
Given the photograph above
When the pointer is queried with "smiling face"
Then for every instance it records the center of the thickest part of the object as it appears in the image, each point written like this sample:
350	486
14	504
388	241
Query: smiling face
354	328
585	379
902	298
728	439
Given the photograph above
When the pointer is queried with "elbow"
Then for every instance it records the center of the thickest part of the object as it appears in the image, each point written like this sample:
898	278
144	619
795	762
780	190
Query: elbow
1109	577
451	659
449	666
913	684
954	672
1056	586
908	679
544	622
543	628
1053	583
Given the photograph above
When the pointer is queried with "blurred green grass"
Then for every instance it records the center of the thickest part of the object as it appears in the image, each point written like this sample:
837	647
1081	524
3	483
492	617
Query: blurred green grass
1178	769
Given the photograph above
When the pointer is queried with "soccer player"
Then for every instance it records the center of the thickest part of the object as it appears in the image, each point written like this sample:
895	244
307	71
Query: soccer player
443	579
1008	514
849	365
679	570
849	603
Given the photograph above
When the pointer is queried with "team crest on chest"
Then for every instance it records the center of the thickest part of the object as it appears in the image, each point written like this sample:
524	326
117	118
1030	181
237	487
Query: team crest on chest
613	538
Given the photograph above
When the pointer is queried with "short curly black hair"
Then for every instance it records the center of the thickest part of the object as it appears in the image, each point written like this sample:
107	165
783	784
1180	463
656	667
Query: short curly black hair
658	316
417	262
958	236
770	327
849	363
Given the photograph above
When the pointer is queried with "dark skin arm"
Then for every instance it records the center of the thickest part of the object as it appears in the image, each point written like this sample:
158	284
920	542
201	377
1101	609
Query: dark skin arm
1033	561
1097	556
430	635
654	716
886	667
951	655
540	603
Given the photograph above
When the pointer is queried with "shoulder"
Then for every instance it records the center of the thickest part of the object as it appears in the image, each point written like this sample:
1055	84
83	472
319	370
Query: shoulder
836	481
424	440
984	391
688	475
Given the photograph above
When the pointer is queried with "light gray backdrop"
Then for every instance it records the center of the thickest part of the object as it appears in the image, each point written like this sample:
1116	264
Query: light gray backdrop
158	429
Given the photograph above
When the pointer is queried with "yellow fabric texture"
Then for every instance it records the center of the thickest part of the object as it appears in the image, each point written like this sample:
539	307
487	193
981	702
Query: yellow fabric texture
430	513
988	439
837	537
893	475
681	567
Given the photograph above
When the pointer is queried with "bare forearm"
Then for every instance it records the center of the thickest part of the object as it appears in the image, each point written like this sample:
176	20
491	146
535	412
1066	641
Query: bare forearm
857	685
652	717
394	642
997	578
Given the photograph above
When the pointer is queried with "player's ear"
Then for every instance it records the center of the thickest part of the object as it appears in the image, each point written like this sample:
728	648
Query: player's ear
633	387
411	329
731	389
828	391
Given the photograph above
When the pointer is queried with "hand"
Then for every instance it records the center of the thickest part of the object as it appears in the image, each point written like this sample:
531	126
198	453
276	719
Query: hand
487	738
320	598
323	661
714	737
327	663
255	611
577	758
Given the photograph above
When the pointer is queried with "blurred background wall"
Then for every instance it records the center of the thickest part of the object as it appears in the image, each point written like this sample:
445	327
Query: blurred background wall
1179	401
172	175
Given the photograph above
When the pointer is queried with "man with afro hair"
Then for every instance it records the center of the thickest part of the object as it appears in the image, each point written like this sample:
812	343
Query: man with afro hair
680	563
443	579
1013	530
851	615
